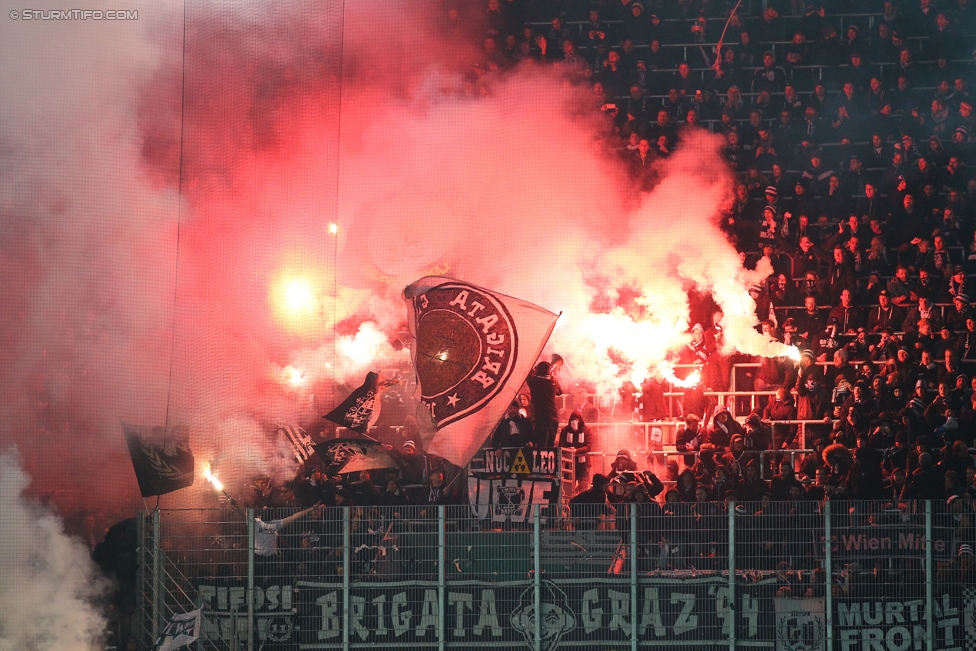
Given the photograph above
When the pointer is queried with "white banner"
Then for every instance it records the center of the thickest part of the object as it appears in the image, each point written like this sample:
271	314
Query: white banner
181	630
508	499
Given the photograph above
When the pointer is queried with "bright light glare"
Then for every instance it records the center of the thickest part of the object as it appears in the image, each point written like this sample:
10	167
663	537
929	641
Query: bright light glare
693	379
295	296
210	477
293	376
299	296
333	228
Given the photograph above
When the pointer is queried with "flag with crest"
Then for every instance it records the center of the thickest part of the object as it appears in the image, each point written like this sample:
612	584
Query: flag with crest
472	350
357	411
161	457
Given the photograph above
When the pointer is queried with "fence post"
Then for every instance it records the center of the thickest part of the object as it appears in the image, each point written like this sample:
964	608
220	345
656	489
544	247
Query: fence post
346	544
829	574
633	576
929	616
157	585
250	580
441	571
537	574
143	558
731	598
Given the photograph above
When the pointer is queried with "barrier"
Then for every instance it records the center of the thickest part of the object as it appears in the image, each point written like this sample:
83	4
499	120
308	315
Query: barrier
709	574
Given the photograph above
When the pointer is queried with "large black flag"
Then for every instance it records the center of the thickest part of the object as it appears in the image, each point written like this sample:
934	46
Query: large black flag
353	455
356	411
162	459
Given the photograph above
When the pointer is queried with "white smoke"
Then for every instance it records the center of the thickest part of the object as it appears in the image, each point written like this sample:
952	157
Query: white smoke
48	583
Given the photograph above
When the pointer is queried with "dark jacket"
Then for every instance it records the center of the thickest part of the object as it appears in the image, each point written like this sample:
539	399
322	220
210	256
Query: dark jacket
512	432
580	438
723	428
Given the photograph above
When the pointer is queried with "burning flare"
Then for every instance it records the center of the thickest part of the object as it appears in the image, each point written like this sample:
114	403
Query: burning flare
667	372
209	476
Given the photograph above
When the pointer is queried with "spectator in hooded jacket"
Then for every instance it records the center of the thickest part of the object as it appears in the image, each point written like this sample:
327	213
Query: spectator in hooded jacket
577	435
781	407
723	428
623	463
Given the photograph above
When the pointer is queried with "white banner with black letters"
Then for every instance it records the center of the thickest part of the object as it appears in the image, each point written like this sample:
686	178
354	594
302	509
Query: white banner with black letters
180	630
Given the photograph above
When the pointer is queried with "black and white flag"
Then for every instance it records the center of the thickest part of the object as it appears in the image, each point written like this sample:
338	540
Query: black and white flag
181	630
356	411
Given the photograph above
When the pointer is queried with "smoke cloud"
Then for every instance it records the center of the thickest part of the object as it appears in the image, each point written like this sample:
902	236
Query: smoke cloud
49	582
211	222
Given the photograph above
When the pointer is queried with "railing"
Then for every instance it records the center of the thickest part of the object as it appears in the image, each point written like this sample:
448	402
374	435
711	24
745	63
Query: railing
895	576
601	462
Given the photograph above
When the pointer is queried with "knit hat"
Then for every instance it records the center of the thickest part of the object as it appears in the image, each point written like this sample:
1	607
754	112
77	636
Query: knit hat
771	189
409	445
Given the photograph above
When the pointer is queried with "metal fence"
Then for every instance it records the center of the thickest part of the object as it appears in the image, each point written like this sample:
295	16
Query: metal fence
896	577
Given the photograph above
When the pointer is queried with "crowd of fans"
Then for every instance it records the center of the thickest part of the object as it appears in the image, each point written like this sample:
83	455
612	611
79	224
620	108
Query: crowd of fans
847	125
848	128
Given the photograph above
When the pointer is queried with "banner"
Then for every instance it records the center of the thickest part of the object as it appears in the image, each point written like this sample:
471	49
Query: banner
890	542
510	500
899	624
162	459
801	624
531	462
472	350
180	630
596	611
669	612
224	619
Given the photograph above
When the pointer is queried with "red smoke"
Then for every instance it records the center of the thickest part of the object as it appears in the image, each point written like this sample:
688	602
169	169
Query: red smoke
272	124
